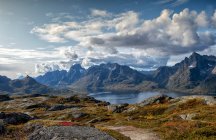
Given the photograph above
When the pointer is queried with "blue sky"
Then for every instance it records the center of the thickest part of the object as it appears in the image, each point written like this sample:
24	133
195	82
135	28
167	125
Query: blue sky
37	36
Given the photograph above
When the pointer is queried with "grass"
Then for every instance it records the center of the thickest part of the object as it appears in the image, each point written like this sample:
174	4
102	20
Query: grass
162	118
114	134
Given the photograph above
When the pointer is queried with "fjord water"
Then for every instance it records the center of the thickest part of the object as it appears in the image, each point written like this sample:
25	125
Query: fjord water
130	97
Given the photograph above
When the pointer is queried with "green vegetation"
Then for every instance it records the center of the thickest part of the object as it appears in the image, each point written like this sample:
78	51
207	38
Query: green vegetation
177	119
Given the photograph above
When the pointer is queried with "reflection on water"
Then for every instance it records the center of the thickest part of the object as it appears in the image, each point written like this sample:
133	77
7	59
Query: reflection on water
120	97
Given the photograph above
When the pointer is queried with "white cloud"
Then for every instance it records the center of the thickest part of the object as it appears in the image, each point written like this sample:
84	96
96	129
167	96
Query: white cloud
96	12
172	3
174	34
14	61
125	38
179	2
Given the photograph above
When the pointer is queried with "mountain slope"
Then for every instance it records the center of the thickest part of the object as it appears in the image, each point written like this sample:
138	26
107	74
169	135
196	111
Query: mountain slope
5	84
62	78
193	73
26	85
51	78
109	74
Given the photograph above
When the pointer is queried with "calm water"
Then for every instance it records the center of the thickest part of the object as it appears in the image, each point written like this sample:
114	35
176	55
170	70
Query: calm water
128	97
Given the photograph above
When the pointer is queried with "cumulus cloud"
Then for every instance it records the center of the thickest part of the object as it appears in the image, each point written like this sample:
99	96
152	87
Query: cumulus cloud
170	33
23	60
96	12
46	67
125	38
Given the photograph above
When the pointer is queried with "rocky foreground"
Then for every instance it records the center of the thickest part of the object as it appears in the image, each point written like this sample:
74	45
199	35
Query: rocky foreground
43	117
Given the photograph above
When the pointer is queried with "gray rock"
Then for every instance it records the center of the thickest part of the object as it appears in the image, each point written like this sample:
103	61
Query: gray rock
62	107
103	103
69	133
131	109
57	107
4	97
78	115
117	108
40	105
155	100
15	118
2	127
31	127
208	100
187	116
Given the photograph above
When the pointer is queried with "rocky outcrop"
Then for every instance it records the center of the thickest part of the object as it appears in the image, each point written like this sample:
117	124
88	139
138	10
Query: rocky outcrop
2	127
208	100
57	107
155	100
15	118
39	105
4	97
187	116
69	132
117	108
78	115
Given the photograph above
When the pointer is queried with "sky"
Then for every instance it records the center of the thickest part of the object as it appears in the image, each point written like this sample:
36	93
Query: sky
37	36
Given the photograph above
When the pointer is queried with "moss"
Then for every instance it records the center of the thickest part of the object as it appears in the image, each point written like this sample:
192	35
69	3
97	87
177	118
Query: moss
115	134
192	103
206	132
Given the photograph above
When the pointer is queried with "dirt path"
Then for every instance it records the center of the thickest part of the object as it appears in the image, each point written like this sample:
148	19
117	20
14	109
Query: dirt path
135	133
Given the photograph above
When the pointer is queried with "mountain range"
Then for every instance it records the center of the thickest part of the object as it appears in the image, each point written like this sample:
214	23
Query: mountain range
194	74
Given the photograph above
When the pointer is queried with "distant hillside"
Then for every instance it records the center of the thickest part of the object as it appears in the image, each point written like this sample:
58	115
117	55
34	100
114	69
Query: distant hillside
26	85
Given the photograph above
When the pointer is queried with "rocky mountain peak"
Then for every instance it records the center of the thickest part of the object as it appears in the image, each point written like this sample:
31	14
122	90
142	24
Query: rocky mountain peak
29	80
76	67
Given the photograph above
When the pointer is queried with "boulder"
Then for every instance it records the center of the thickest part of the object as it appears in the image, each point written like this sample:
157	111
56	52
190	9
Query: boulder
15	118
40	105
2	127
31	127
103	103
4	97
78	115
187	116
117	108
155	100
62	107
57	107
208	100
131	109
69	132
